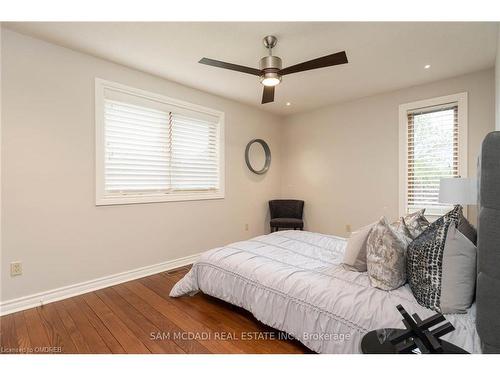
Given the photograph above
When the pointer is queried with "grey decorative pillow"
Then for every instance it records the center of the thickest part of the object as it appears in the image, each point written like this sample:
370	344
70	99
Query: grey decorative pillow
458	283
416	223
385	256
467	230
432	282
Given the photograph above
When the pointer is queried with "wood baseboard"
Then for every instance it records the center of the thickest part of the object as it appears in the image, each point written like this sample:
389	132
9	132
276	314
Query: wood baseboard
39	299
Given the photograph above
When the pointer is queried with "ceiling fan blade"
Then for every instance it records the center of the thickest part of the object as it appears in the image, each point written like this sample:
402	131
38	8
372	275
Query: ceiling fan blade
268	94
225	65
321	62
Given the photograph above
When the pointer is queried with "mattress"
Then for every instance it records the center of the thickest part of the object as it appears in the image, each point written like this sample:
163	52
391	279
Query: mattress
293	281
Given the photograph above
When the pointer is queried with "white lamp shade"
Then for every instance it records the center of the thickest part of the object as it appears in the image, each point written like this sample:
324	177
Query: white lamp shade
458	191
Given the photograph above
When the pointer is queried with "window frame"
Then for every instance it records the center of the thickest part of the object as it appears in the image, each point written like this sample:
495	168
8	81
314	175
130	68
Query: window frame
462	102
101	197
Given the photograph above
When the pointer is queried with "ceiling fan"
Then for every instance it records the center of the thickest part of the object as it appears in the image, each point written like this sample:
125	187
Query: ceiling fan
270	71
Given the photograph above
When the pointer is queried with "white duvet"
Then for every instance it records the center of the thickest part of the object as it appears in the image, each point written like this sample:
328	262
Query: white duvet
293	281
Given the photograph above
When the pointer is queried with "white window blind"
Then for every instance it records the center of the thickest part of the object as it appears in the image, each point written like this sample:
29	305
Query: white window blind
150	148
433	153
137	148
195	154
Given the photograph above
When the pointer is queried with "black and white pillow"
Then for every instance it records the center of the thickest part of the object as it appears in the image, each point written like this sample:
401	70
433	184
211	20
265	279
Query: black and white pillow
441	266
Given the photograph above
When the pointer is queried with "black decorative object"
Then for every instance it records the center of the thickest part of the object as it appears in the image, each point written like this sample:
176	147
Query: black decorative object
418	333
378	342
416	338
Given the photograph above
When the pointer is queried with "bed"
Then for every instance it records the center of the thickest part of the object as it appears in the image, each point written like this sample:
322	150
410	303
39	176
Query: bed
293	281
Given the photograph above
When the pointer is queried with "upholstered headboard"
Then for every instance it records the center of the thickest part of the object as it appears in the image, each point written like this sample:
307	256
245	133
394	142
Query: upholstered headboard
488	279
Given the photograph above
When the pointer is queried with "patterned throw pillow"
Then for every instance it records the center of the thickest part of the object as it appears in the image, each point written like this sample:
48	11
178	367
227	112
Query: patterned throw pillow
416	223
386	256
400	227
412	224
424	265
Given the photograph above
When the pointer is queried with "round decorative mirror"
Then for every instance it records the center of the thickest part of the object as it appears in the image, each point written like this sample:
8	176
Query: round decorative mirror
258	156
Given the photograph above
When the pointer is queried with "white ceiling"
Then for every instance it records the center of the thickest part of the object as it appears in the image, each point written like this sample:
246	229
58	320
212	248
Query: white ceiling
382	56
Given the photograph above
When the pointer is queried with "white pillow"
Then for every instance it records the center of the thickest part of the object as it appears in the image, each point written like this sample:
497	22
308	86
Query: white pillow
355	252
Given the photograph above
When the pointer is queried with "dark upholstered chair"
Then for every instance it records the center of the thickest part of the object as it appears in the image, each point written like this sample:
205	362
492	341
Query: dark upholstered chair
286	213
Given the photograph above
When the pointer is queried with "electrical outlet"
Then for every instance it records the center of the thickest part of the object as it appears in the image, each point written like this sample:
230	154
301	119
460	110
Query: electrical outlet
348	228
16	269
246	227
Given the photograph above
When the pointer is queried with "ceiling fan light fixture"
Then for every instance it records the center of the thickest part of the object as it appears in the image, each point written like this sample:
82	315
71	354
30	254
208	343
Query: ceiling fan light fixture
270	66
270	79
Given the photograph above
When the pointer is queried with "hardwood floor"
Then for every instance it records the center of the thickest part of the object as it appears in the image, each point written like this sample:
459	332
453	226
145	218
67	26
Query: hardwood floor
140	317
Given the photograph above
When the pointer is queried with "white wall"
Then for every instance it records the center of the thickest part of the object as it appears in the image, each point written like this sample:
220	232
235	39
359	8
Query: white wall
497	82
343	159
52	224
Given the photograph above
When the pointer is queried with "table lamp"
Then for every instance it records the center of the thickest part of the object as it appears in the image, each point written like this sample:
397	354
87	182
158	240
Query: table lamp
461	191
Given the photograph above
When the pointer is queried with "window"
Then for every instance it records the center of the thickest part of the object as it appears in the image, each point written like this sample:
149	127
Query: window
151	148
433	145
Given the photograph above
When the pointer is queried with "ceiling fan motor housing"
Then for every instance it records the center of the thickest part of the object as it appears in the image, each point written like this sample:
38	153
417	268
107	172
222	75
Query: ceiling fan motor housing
270	65
270	62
